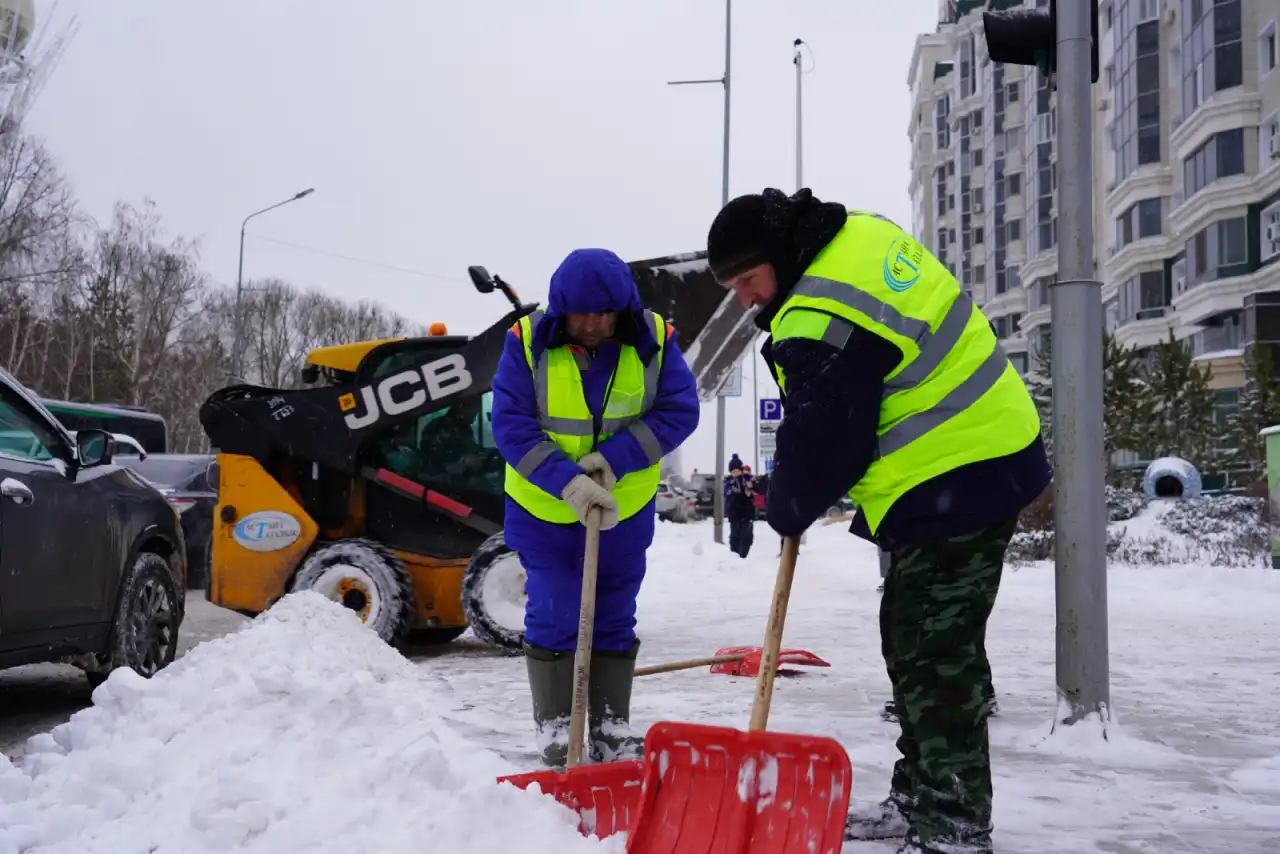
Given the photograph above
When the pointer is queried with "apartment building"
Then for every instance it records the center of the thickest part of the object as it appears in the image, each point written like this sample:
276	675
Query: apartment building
1187	175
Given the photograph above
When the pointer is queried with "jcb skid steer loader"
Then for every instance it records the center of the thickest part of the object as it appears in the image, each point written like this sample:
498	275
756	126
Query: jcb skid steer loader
379	486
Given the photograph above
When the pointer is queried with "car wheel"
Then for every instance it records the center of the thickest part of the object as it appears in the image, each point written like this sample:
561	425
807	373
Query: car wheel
144	636
493	595
365	577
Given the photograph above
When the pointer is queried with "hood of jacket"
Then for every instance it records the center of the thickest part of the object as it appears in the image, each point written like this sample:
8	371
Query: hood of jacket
590	281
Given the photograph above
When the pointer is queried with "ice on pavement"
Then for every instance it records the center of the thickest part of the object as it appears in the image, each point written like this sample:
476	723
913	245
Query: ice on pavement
302	732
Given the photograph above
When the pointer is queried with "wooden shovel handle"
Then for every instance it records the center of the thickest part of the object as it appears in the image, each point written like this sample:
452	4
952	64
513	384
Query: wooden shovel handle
773	634
689	664
586	628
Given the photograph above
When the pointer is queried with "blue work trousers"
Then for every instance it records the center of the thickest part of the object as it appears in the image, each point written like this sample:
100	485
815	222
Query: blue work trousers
554	585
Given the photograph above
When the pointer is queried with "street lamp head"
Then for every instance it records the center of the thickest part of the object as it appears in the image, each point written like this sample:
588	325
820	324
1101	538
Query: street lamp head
305	192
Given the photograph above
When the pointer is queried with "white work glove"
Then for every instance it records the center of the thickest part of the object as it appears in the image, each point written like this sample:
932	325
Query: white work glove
595	462
582	493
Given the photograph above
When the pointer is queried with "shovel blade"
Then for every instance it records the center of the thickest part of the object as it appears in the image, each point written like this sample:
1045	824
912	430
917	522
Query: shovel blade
749	665
717	790
606	797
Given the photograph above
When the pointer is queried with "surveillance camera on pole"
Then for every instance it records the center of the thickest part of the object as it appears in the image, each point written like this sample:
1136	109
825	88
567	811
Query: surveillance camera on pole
1022	36
1062	41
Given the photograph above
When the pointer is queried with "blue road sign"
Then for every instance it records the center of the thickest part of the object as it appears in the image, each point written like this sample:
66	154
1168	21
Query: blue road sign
770	409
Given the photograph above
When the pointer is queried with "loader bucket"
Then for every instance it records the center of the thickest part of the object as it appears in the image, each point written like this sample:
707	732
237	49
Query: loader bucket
717	789
605	796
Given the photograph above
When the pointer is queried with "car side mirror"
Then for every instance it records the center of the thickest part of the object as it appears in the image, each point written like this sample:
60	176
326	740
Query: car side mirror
481	279
93	447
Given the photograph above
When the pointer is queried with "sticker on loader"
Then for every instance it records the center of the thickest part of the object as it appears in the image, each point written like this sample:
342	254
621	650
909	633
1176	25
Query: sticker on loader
267	531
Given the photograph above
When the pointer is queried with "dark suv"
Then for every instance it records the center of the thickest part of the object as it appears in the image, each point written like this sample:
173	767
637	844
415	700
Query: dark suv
92	557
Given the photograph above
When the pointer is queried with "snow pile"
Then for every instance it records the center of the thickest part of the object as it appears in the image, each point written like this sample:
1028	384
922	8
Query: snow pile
1211	531
1219	530
302	732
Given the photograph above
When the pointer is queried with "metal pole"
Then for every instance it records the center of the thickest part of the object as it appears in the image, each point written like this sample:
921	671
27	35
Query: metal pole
234	375
799	121
1080	514
717	495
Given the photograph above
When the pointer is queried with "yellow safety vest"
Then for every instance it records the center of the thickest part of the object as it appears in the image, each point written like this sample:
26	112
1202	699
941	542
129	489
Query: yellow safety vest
953	399
565	417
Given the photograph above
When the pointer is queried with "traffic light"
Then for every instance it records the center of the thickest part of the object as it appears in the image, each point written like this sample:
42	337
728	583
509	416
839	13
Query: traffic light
1022	36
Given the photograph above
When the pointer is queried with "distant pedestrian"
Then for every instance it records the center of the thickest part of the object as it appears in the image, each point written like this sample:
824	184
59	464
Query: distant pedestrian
740	507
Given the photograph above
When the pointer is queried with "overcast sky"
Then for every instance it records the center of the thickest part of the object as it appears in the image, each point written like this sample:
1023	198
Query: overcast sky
498	132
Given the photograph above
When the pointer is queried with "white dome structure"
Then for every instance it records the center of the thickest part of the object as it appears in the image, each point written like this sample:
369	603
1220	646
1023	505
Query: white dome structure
17	23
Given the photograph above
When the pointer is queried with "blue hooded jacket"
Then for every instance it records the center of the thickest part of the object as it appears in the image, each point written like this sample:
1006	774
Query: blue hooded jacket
588	281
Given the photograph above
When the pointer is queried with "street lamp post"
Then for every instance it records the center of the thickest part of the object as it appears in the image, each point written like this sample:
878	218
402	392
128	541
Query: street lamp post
236	366
718	493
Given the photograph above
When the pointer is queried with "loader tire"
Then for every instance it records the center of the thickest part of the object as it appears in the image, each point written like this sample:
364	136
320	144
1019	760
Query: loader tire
493	595
366	577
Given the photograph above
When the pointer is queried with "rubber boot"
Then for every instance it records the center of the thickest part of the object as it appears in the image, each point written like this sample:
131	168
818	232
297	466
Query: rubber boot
885	820
551	684
609	706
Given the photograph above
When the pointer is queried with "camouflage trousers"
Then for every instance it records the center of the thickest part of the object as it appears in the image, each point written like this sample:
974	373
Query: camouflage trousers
937	599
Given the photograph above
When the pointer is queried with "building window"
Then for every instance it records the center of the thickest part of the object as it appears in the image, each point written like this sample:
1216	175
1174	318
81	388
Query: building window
1013	182
980	274
1141	219
1221	156
1212	59
1011	93
1219	251
1267	50
942	123
1135	130
1269	228
1148	10
1014	228
1268	141
1144	297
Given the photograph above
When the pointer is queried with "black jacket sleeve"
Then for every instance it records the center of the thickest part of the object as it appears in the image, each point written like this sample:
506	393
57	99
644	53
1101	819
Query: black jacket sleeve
831	412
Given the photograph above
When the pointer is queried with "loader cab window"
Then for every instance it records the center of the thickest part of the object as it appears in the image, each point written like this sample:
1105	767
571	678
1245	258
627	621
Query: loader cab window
450	449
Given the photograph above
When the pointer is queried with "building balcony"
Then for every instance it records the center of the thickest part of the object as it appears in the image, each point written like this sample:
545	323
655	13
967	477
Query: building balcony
1145	182
1037	266
1125	262
1228	109
1146	329
1212	203
1205	300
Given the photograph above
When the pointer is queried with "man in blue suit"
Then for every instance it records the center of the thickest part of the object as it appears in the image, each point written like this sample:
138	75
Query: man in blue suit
587	400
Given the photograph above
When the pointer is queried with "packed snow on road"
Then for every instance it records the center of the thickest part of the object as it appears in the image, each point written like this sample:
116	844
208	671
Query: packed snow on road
303	732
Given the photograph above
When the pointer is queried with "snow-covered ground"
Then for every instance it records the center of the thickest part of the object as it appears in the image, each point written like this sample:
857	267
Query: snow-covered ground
302	733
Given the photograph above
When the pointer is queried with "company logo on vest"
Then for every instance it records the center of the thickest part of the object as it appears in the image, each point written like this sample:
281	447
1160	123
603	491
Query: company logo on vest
267	531
902	264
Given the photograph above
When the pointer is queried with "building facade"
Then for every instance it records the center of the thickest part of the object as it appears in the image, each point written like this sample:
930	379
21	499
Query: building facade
1187	172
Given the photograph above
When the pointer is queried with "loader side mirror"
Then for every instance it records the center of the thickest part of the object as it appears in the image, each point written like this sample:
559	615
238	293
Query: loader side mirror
481	279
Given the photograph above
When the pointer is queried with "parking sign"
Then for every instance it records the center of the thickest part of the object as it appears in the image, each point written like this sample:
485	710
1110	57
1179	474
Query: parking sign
770	409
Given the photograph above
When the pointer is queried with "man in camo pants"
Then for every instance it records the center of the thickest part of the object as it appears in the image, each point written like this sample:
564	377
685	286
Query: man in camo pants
896	393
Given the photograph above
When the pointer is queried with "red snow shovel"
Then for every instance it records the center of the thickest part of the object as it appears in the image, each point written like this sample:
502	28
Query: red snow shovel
604	796
717	789
738	661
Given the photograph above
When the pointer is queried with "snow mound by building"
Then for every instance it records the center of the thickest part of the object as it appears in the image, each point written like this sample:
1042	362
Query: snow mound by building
301	732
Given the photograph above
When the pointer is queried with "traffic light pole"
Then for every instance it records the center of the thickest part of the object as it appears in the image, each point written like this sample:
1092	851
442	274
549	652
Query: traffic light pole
1080	513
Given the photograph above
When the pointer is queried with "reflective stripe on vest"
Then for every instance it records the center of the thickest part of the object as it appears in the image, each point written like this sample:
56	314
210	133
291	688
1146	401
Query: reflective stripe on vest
953	399
934	347
573	434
